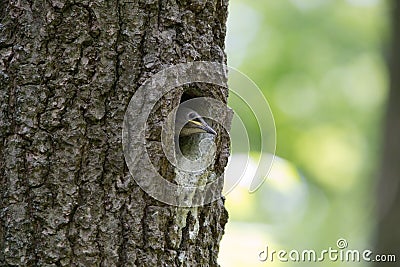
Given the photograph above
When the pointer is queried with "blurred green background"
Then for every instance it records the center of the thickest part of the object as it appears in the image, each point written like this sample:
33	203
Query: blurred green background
320	65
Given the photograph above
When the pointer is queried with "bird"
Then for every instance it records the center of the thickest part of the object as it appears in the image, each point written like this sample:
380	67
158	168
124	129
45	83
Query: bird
192	123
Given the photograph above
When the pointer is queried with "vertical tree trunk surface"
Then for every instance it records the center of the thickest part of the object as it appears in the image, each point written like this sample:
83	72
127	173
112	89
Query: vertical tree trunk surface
388	239
67	72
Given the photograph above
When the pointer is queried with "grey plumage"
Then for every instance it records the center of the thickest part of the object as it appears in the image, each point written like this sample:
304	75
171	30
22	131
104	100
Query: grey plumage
192	121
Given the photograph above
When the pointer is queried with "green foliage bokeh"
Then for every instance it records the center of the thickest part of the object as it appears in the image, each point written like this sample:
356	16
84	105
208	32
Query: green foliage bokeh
321	66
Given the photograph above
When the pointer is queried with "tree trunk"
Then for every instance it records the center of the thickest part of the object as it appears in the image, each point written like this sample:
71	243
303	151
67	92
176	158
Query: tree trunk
67	72
388	235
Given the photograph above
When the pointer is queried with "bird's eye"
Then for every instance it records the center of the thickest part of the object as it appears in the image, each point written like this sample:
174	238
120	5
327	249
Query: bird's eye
192	116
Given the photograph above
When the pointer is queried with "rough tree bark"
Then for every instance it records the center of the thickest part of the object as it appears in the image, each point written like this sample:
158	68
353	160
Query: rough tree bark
388	235
67	72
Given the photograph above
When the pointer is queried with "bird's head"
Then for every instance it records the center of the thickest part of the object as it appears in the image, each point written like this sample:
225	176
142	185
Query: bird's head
193	123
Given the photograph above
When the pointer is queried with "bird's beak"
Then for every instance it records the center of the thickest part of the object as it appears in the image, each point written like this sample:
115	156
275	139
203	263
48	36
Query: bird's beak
205	127
209	130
